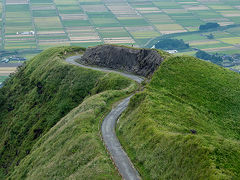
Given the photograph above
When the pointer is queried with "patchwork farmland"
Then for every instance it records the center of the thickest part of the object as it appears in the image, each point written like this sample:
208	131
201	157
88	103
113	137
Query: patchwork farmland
224	42
39	24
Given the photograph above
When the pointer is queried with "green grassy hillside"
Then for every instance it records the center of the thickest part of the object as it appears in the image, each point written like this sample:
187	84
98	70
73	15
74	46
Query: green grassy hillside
73	149
185	124
39	137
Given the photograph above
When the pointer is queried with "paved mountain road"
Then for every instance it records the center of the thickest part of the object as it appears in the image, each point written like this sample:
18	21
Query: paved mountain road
120	158
72	59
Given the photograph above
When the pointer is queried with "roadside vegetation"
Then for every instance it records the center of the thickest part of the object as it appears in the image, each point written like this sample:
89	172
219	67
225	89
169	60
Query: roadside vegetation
185	124
40	138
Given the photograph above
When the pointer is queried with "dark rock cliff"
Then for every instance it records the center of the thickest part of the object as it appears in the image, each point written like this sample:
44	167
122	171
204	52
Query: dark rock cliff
142	62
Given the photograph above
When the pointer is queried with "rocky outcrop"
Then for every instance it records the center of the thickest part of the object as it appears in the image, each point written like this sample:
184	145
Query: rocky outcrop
142	62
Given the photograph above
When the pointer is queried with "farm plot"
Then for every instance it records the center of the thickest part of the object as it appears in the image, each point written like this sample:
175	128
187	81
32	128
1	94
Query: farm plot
41	1
167	5
69	9
5	71
8	2
91	22
50	32
44	13
223	42
84	36
170	28
18	25
234	31
145	7
115	35
209	44
105	22
43	7
143	34
1	14
122	9
159	18
48	23
112	32
133	21
147	10
17	19
233	40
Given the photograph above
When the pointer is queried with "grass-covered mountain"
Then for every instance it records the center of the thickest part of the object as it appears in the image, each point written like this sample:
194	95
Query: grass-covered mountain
42	135
183	125
186	123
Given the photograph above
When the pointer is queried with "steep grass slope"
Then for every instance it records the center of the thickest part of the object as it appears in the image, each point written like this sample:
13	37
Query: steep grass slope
73	149
36	98
185	124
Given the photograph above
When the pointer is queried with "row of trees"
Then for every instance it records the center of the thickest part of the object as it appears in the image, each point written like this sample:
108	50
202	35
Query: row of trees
213	58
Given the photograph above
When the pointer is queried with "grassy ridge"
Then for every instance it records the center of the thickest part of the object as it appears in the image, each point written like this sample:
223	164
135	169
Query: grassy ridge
73	149
39	95
185	95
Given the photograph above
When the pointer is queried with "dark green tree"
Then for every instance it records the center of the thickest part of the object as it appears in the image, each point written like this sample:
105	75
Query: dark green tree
170	44
213	58
208	26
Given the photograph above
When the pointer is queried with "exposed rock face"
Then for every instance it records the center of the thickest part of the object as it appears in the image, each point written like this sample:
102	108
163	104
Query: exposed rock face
142	62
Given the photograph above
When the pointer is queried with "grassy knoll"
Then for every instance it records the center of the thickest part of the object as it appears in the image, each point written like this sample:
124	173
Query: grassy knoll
40	138
185	124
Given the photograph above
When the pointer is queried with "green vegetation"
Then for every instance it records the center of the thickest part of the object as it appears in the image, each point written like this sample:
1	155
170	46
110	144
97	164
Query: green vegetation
220	59
88	22
40	138
185	124
213	58
222	40
82	156
170	44
208	26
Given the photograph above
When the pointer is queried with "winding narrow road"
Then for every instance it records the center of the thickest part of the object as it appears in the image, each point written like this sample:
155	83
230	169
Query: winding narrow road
118	155
72	59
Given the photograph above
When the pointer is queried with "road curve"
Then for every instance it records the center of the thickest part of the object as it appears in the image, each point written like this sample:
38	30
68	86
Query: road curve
72	59
118	155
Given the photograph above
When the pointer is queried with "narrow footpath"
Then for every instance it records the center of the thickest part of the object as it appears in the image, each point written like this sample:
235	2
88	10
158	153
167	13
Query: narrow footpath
118	155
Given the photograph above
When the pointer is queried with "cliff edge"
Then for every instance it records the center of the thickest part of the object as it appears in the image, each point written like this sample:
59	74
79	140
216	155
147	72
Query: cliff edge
142	62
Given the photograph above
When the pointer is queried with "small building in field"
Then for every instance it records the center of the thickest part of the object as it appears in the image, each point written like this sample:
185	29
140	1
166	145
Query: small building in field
172	51
26	33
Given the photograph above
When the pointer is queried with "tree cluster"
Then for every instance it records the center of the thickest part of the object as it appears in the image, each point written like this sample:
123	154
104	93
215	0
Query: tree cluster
213	58
171	44
208	26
